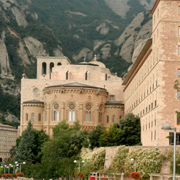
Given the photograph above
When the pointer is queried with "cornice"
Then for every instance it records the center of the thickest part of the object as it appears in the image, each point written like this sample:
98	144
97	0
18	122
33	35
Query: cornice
37	105
115	106
80	90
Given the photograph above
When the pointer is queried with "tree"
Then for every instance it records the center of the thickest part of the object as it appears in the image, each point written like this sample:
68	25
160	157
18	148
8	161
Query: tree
94	136
111	137
26	145
58	154
130	124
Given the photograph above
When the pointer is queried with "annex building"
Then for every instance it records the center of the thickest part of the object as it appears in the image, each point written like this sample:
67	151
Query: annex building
86	91
8	135
149	86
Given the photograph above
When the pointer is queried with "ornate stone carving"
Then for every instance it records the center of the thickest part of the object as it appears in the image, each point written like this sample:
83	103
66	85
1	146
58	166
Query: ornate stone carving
97	91
47	91
81	90
62	89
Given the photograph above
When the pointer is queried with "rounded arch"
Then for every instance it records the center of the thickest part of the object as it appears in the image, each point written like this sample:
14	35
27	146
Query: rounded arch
71	109
55	110
51	66
44	66
59	64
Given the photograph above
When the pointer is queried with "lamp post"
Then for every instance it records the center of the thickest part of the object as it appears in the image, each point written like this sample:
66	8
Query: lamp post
168	127
134	164
19	164
75	161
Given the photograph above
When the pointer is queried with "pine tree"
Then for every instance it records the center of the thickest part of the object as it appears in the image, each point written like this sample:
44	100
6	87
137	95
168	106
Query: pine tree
25	151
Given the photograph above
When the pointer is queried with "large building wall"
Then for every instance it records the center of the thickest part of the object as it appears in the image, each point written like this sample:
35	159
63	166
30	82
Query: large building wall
149	91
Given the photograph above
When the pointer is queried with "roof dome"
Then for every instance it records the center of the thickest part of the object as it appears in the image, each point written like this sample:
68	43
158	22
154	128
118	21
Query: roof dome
98	62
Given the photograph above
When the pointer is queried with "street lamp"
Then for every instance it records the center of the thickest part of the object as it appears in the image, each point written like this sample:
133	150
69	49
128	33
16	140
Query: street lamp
168	127
75	161
17	164
134	164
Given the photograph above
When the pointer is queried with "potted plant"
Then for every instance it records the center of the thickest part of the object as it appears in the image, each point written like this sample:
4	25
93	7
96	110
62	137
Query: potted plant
135	175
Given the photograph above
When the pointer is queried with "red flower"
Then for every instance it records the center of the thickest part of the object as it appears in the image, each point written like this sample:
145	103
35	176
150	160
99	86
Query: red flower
135	175
79	175
19	174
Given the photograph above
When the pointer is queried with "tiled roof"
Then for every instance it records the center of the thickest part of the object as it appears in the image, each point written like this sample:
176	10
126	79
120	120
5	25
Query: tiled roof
114	103
77	85
33	102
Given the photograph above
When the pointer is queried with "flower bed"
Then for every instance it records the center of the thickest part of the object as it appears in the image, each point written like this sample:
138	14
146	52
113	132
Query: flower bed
19	174
135	175
79	175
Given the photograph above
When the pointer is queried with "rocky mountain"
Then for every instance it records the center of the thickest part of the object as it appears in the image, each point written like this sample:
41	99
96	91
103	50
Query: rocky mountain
114	30
20	43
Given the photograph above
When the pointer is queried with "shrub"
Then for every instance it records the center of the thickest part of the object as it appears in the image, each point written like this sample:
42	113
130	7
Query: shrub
117	164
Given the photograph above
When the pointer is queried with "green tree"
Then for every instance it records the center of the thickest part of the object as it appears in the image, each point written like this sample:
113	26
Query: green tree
26	145
111	137
58	154
94	136
130	124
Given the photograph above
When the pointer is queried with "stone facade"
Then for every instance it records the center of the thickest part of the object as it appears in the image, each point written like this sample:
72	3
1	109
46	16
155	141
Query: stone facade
8	135
87	92
149	91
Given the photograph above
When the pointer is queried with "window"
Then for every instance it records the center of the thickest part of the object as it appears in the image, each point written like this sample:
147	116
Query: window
67	75
154	134
26	116
100	112
100	117
107	119
114	118
86	75
32	116
178	49
72	112
39	117
178	94
88	113
105	77
112	97
178	117
56	112
178	72
179	10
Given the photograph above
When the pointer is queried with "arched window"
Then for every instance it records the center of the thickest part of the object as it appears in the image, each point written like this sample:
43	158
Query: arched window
32	116
39	117
43	68
67	75
51	66
106	77
59	64
56	112
26	116
86	75
71	112
88	112
100	112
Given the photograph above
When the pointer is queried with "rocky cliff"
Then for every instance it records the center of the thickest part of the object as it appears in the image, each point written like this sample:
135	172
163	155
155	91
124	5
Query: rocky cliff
114	30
